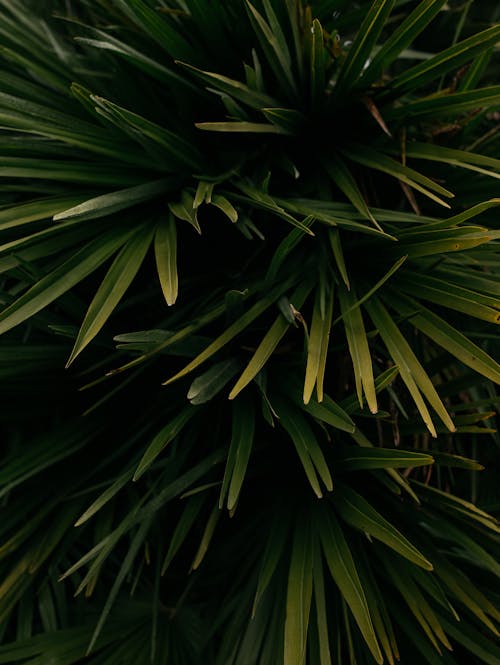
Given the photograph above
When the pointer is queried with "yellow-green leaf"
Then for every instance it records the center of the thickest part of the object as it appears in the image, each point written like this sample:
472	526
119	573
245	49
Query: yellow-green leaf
166	258
112	288
317	346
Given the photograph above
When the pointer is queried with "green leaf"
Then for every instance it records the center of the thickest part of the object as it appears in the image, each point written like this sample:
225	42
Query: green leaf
329	412
420	640
317	61
137	542
417	603
106	42
456	461
183	528
358	302
276	546
286	246
106	496
183	151
478	208
273	44
451	241
165	436
241	126
262	354
107	204
86	173
238	326
184	335
378	608
357	512
449	59
306	445
447	501
351	404
24	116
402	37
433	588
448	337
343	570
204	191
262	200
206	537
186	210
53	239
357	459
158	27
462	159
465	591
320	603
441	292
211	382
112	288
62	278
411	371
299	596
243	426
226	206
446	105
236	89
289	120
358	348
343	178
176	485
317	345
474	641
40	454
165	244
361	49
33	211
475	70
380	162
334	237
147	341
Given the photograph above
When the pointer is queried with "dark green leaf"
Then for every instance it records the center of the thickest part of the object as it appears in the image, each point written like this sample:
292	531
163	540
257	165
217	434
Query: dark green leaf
343	570
63	278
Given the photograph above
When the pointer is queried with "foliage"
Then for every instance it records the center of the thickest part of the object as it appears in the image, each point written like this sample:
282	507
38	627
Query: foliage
249	259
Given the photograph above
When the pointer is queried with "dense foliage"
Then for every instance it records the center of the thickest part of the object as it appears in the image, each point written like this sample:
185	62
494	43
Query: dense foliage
249	280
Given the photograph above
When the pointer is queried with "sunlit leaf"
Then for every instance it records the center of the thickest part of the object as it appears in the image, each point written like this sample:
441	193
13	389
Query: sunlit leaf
115	283
165	244
356	459
412	372
317	347
358	349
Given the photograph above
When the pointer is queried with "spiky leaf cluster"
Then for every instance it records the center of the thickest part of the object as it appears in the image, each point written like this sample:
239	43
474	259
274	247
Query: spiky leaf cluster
249	259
